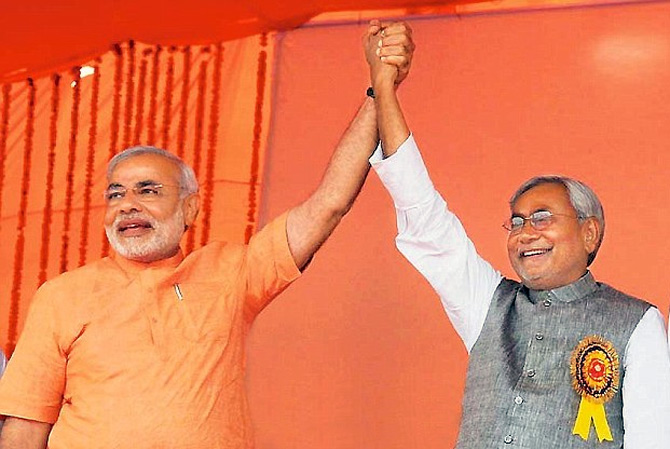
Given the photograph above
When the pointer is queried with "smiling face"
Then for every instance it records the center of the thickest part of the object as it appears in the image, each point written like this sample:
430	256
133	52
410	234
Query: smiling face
147	227
557	255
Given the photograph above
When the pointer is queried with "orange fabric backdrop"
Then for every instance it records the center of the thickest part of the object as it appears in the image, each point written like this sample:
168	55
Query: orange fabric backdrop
208	105
42	36
359	352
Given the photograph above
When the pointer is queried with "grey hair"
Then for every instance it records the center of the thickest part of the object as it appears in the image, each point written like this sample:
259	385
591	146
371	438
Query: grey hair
187	180
583	200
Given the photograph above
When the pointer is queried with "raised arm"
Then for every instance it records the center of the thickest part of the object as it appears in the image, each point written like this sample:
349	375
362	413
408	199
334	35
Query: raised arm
20	433
310	223
388	50
429	235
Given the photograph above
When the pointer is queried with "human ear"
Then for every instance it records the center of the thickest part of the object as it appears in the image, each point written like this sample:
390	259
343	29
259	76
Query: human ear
591	234
191	206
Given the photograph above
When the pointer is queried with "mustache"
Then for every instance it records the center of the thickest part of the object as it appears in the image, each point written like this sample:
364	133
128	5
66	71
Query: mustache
134	216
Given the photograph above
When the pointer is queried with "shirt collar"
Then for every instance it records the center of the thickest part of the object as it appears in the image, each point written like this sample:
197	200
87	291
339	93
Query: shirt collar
572	292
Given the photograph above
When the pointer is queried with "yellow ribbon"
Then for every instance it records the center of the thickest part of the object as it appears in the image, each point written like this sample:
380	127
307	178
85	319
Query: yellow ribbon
591	411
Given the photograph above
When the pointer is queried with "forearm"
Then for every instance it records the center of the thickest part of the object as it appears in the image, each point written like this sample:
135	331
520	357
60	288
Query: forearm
20	433
310	223
432	238
434	242
393	129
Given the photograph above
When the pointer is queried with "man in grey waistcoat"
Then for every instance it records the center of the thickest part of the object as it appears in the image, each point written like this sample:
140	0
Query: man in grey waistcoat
556	360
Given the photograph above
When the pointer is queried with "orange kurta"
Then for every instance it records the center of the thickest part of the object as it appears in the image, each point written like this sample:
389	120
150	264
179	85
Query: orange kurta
124	354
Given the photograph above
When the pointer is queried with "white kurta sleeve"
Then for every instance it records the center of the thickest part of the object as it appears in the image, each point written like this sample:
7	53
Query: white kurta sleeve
432	238
646	385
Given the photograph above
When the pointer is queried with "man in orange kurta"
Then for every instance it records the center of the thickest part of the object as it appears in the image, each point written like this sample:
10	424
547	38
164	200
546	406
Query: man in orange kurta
121	351
145	348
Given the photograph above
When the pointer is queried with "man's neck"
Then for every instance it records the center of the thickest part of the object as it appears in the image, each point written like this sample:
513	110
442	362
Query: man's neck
134	266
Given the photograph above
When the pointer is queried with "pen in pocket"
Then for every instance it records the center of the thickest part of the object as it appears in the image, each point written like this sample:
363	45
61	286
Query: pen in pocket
177	290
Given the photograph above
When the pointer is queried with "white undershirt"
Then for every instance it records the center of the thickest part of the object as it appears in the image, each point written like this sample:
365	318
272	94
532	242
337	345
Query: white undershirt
433	239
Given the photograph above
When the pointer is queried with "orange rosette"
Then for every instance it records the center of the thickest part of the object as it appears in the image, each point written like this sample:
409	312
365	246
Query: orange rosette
595	377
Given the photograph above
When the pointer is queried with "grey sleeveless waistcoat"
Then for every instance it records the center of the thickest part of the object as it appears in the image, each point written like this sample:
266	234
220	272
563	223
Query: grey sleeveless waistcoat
519	391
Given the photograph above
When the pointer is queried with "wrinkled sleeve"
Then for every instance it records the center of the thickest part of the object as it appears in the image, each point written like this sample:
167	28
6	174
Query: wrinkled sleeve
432	238
33	384
646	385
269	265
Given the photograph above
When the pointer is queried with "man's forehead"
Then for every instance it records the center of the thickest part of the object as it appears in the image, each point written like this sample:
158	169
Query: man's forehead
549	196
145	167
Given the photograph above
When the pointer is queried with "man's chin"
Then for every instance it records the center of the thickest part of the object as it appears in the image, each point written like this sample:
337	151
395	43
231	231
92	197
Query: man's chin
538	282
534	281
143	253
137	256
161	243
134	250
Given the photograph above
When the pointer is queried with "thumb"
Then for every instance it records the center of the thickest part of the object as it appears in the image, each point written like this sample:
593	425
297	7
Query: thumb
374	27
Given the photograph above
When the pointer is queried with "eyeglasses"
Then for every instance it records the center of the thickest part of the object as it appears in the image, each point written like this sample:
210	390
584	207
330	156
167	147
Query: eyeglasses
539	220
145	193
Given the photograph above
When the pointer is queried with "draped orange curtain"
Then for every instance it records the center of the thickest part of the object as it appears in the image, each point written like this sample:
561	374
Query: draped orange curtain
208	104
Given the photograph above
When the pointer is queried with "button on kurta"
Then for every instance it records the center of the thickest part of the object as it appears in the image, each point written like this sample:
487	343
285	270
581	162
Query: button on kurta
530	373
518	400
508	439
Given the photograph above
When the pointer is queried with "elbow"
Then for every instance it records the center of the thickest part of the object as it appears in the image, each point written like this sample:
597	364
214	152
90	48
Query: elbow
344	210
332	208
327	210
334	214
337	211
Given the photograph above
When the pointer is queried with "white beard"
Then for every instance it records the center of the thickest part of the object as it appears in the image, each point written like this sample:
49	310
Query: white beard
160	243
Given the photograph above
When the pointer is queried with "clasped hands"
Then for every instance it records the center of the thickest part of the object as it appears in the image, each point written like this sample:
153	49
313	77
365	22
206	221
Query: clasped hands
389	49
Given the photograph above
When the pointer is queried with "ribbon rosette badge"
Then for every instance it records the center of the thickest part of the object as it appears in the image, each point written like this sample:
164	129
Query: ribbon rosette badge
595	377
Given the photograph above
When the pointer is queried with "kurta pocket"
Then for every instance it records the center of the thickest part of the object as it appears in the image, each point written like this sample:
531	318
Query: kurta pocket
207	312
